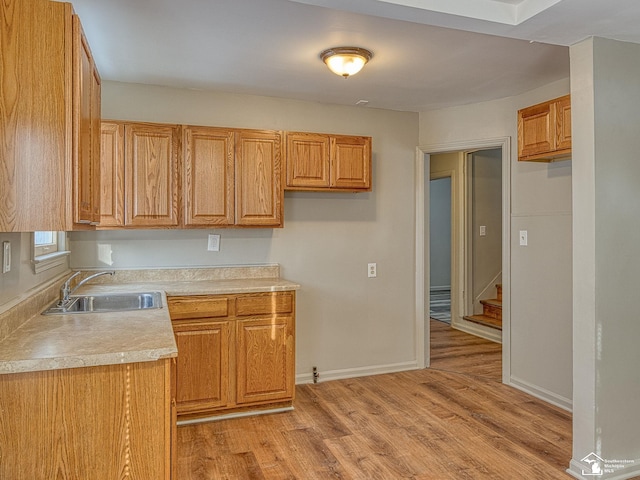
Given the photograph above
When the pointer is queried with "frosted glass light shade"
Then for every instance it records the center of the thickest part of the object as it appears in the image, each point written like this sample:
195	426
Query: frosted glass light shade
346	61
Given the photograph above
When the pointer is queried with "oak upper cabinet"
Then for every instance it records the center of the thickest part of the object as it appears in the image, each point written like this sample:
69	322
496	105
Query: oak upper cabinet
112	175
208	191
86	130
235	352
35	116
323	162
103	422
544	131
151	175
258	167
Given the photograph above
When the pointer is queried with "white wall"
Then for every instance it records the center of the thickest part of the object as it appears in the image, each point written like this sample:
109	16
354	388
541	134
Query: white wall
347	324
541	290
21	278
605	105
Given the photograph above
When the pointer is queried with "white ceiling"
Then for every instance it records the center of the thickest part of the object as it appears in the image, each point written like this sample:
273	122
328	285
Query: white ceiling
427	53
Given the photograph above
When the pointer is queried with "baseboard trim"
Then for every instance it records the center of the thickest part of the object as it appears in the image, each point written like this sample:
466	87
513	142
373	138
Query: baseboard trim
478	330
576	468
324	376
542	393
251	413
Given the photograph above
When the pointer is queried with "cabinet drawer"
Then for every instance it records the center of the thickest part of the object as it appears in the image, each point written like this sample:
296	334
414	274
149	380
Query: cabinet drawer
264	304
181	308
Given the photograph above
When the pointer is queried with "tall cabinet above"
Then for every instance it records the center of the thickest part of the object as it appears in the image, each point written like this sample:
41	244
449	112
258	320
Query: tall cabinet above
49	119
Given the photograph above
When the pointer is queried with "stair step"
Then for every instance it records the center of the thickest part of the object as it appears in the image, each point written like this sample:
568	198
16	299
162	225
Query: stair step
486	321
499	291
492	308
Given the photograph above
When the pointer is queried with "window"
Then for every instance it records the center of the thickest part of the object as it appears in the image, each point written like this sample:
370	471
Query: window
45	242
49	250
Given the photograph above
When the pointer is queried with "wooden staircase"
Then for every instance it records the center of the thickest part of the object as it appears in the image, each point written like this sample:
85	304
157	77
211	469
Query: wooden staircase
491	311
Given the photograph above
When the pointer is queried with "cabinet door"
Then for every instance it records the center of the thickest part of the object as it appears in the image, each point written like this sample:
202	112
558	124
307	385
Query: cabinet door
35	116
112	175
87	423
265	359
259	193
82	126
536	130
151	175
307	160
202	369
96	92
208	180
563	123
351	162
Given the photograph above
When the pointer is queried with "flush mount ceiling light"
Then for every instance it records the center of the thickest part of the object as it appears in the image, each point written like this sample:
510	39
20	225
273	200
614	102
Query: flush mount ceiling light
346	61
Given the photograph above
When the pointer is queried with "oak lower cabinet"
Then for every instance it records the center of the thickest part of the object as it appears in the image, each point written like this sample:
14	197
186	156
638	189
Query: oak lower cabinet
104	422
235	352
544	131
322	162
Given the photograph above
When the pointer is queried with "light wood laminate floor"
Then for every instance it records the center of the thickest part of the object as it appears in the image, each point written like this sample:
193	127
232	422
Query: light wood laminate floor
457	351
430	424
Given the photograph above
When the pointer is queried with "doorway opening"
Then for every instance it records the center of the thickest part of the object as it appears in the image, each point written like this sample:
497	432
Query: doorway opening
473	185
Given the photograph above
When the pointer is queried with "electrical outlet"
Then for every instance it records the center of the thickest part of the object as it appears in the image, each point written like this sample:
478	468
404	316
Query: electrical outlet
6	257
214	243
372	270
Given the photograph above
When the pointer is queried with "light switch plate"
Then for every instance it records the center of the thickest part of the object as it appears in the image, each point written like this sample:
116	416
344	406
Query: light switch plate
6	257
523	238
214	243
483	230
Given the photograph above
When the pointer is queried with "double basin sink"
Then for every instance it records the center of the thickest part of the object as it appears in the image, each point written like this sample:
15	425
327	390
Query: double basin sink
102	303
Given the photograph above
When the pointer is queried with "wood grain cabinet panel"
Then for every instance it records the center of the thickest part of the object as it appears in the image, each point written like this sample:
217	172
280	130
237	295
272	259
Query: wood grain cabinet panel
98	422
308	160
243	361
86	129
202	365
112	175
151	175
265	364
209	176
350	162
259	194
321	162
544	131
49	120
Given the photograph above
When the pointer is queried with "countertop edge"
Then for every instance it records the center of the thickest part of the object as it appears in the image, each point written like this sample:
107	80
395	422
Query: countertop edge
170	288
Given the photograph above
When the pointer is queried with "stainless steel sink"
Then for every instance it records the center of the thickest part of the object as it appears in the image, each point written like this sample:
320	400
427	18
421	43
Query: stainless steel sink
117	302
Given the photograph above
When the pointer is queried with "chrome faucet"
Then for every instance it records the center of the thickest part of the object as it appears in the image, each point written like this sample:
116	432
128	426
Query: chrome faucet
66	290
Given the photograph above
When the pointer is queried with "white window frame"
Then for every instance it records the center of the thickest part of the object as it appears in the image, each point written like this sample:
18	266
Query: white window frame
45	257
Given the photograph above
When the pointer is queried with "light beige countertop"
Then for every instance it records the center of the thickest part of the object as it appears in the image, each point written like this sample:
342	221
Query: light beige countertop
90	339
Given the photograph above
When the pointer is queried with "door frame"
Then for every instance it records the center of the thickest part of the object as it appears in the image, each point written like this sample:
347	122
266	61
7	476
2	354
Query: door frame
422	165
